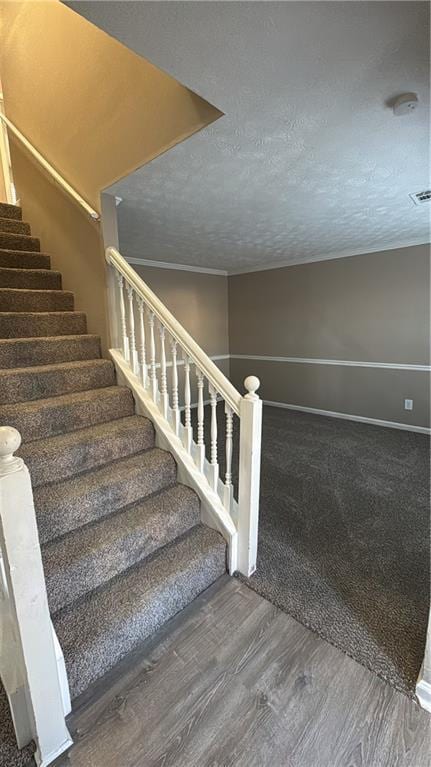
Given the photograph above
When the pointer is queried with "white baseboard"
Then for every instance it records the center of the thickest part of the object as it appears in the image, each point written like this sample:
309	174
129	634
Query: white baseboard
348	417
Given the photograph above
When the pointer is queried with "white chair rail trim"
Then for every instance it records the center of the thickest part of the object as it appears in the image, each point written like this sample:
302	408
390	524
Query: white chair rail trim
57	177
318	361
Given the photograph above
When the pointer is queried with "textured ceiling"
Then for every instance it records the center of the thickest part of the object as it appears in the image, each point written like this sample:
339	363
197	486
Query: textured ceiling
309	160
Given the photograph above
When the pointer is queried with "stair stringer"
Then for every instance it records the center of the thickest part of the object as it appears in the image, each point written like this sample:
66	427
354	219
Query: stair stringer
213	513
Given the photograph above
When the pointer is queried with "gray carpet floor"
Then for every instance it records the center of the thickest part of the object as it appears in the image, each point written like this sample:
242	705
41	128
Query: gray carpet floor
344	536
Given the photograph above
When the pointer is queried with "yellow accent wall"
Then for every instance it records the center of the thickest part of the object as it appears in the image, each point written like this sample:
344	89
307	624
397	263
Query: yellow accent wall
93	108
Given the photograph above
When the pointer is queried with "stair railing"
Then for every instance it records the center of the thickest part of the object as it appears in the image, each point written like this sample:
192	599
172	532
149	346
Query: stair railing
31	663
167	370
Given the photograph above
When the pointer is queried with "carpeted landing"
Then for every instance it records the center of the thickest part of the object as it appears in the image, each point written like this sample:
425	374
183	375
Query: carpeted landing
344	536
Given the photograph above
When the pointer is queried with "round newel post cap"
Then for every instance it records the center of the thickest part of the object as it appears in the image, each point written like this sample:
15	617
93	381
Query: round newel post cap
10	440
251	384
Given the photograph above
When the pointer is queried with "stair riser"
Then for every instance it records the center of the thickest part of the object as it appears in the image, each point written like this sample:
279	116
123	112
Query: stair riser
39	420
12	259
12	300
25	385
151	609
99	501
14	226
19	242
22	353
73	568
30	279
10	211
63	463
28	325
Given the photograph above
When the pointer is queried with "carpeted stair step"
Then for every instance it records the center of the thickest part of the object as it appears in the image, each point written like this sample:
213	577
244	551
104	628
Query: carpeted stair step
36	324
98	630
13	241
33	279
10	754
57	415
69	454
31	383
19	259
100	492
14	225
90	557
10	211
25	352
20	300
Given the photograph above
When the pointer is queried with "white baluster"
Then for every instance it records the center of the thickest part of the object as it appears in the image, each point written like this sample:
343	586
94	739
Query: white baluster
175	404
188	431
228	490
123	324
153	374
214	467
201	416
131	329
163	378
141	344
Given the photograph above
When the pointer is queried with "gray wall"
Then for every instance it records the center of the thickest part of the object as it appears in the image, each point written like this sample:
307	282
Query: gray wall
370	308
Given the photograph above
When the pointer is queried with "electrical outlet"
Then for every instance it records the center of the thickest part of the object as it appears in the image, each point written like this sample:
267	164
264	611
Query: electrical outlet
408	404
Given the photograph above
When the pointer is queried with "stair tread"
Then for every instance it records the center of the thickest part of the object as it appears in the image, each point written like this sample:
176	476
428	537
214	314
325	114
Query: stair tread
91	556
72	453
19	300
8	210
41	324
29	279
101	491
25	384
8	257
13	241
14	225
22	352
98	630
20	414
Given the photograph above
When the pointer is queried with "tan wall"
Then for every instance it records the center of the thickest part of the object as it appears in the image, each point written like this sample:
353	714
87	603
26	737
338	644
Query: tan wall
92	107
96	111
370	308
71	239
198	301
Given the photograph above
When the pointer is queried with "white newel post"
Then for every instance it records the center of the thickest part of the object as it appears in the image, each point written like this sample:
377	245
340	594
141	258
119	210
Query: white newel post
249	476
32	651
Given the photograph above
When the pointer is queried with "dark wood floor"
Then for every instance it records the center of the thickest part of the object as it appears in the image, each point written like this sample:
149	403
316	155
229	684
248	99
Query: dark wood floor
236	682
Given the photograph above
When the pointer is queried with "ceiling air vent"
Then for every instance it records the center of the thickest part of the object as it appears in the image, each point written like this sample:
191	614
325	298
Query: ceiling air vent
420	198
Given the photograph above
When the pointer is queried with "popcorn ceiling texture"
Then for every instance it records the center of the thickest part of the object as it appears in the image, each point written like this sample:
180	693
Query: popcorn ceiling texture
309	159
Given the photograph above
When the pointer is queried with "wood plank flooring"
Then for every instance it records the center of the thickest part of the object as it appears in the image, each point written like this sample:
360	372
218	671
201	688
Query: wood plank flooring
234	682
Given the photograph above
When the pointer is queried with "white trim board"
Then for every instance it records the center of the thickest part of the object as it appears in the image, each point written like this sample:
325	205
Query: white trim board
327	257
279	265
178	267
316	361
348	417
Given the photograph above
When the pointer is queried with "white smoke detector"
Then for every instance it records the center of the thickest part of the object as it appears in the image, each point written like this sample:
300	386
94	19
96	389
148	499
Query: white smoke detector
405	104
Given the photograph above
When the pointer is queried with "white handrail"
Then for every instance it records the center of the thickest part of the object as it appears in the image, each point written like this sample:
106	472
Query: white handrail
49	168
193	350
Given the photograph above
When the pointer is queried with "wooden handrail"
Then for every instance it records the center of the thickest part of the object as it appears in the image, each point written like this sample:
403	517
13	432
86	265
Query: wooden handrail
49	168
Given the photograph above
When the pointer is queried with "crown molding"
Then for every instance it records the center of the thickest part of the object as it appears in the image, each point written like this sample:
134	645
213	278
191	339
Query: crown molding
326	257
177	267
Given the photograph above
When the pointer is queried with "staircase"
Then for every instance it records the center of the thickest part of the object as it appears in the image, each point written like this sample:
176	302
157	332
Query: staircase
122	544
